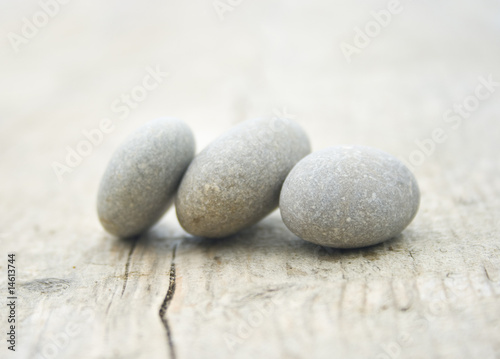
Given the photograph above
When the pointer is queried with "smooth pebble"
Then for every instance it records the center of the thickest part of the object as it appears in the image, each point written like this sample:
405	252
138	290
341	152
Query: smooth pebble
236	180
141	179
349	197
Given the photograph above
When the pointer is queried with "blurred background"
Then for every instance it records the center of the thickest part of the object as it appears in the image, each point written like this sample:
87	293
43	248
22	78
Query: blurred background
64	65
379	73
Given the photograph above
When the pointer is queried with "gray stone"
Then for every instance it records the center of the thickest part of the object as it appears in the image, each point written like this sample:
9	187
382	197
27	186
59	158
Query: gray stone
140	181
236	180
349	197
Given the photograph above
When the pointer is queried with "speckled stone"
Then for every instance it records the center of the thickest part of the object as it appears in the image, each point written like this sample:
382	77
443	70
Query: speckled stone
142	177
236	180
349	197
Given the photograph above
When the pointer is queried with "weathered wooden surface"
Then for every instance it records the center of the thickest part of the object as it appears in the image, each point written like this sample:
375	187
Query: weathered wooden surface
433	292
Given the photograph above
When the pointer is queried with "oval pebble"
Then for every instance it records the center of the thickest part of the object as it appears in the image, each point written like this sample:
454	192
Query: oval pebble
236	180
349	197
142	177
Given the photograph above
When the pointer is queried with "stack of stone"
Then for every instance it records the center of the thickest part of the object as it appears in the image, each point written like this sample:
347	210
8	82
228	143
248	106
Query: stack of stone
343	196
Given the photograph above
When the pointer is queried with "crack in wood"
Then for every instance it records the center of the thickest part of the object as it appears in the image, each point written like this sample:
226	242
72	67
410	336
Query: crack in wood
487	274
411	255
127	265
166	302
